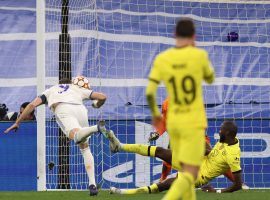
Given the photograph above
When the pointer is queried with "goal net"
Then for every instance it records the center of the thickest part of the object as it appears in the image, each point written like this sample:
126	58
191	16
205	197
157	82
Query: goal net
114	43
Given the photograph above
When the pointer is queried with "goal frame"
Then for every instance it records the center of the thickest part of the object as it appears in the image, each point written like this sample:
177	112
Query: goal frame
40	67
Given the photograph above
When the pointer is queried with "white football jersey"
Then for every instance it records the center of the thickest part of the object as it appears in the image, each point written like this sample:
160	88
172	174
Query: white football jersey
66	93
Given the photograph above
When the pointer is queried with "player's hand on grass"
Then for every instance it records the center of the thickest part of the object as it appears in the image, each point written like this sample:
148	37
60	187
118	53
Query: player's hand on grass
14	127
208	188
153	136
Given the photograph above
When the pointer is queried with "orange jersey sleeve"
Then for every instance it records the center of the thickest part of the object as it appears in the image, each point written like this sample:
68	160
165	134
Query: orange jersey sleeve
161	128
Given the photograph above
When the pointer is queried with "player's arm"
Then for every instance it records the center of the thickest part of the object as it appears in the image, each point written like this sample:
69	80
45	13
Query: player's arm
99	99
208	70
151	91
233	160
237	183
29	109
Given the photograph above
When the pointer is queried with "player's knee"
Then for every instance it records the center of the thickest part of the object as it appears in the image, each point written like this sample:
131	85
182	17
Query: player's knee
83	145
72	133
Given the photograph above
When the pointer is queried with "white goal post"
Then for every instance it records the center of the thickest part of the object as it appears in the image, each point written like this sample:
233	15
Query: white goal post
41	131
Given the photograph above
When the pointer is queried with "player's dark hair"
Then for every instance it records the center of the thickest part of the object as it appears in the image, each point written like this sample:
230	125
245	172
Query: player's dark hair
231	127
65	81
185	28
24	104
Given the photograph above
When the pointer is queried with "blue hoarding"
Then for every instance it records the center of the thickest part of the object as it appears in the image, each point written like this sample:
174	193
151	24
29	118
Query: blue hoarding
18	163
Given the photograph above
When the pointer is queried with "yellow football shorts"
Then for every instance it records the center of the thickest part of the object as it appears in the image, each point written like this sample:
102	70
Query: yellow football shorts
187	145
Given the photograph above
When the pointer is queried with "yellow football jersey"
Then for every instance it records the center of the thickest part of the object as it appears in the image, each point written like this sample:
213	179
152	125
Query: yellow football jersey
221	158
182	70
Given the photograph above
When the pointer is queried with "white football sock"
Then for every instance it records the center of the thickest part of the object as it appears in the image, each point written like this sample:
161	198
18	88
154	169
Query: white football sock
84	133
89	165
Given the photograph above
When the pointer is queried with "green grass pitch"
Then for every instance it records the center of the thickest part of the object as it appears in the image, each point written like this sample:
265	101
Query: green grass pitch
104	195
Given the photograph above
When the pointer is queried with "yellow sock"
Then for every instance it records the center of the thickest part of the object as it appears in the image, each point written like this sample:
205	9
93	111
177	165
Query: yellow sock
141	149
191	194
181	187
142	190
153	188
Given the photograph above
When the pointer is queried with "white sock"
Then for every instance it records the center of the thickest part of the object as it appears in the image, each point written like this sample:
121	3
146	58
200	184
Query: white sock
89	165
84	133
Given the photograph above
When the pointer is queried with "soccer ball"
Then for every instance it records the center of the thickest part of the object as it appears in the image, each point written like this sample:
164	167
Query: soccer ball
81	81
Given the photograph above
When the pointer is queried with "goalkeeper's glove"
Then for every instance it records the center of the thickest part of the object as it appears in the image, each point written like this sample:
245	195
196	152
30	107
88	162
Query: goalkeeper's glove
153	136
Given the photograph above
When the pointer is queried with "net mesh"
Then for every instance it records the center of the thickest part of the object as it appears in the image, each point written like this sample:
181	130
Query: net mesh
84	61
114	44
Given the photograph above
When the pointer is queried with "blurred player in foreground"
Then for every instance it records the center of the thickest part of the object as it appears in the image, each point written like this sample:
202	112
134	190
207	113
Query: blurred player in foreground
223	157
66	101
182	69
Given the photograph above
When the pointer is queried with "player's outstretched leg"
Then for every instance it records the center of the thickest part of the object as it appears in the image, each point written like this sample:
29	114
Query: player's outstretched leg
141	149
142	190
154	188
81	135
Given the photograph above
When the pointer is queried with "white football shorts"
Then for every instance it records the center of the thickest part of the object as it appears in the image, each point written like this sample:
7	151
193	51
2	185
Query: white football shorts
70	116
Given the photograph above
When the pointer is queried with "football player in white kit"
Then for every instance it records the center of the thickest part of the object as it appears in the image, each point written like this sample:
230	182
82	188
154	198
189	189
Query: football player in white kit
66	101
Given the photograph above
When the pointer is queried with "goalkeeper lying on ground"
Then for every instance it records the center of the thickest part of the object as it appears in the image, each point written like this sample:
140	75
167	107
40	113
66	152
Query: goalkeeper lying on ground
223	157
